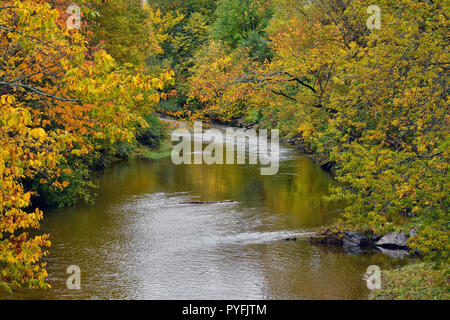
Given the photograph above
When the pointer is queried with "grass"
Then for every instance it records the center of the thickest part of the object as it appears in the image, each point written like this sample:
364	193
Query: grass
413	282
165	149
143	152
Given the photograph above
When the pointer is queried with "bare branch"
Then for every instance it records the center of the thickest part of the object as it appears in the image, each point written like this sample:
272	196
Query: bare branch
37	91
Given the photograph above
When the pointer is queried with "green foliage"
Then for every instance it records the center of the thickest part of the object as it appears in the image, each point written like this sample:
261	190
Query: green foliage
181	28
255	116
121	27
192	36
171	106
71	186
153	134
242	23
186	7
123	149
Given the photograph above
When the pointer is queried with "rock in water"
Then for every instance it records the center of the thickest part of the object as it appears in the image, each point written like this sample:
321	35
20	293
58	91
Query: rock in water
329	166
326	237
352	239
375	238
392	240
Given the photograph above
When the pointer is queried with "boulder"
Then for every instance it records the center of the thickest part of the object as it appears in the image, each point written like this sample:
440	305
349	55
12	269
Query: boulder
329	166
327	237
352	239
316	239
375	238
392	241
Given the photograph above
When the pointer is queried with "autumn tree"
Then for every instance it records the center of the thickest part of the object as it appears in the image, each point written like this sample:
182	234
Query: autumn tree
121	27
63	105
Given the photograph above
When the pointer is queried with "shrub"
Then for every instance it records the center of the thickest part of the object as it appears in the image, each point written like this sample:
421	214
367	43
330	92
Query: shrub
153	134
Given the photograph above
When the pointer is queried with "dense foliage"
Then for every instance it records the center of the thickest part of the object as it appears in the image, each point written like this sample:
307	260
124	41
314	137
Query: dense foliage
66	106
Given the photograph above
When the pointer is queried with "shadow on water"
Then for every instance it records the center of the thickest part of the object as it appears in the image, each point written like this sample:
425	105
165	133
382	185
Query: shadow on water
140	242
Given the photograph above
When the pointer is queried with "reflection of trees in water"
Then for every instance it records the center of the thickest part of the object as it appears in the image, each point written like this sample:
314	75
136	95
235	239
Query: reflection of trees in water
297	190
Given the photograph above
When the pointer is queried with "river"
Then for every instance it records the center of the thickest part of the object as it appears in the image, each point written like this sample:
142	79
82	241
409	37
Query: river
142	241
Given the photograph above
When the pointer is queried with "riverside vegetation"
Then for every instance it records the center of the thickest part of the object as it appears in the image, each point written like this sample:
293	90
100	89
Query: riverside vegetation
373	104
67	108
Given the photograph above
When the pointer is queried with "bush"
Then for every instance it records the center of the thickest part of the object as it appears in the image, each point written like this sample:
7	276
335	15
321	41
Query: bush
123	149
63	191
153	135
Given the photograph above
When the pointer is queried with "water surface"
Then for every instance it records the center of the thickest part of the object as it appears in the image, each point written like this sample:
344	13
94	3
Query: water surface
139	241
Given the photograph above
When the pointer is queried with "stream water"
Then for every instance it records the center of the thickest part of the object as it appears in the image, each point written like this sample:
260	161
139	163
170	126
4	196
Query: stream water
142	241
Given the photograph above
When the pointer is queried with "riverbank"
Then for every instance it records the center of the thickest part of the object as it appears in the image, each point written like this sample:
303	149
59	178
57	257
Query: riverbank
163	148
144	152
413	282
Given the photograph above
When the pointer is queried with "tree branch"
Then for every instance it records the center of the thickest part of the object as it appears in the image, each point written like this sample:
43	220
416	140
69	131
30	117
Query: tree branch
38	91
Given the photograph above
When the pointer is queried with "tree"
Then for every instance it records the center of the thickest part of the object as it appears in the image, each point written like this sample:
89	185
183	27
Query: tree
122	27
242	23
63	105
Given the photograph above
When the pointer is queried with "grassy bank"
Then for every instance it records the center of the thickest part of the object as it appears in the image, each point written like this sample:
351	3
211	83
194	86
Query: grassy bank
413	282
144	152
